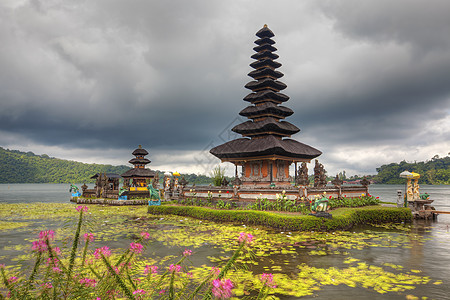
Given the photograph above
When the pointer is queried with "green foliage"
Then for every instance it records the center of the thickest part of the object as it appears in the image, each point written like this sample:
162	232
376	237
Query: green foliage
21	167
434	171
365	200
343	218
218	175
27	167
282	203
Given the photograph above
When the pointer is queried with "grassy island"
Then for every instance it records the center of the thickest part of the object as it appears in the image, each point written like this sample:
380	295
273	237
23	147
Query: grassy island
343	218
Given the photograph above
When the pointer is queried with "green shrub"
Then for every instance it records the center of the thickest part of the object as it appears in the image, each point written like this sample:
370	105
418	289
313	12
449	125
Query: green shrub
343	218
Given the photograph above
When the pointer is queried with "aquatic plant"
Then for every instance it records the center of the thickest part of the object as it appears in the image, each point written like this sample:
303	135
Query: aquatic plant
108	275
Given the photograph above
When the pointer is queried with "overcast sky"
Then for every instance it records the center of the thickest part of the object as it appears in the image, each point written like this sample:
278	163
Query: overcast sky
369	81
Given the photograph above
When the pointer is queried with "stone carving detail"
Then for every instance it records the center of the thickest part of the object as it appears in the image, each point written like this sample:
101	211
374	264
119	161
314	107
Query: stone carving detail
183	182
320	179
364	182
302	175
337	182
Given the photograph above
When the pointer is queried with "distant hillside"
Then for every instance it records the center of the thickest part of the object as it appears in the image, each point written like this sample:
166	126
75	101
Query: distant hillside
434	171
27	167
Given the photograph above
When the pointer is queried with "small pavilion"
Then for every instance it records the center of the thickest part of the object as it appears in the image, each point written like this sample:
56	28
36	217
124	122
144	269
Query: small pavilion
139	175
265	151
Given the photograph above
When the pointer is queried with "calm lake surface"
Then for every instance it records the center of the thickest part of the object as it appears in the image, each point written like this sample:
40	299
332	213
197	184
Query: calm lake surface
425	248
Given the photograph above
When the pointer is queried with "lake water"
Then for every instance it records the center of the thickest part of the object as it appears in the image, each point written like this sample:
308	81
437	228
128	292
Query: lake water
426	247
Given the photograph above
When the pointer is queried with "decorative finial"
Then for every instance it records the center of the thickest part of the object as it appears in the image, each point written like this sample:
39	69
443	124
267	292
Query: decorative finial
265	25
140	146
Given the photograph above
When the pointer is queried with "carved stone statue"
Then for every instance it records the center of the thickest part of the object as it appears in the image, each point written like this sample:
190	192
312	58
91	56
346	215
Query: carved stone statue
320	179
337	182
183	182
302	176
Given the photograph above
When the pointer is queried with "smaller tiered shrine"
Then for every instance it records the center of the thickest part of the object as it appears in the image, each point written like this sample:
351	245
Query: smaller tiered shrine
139	175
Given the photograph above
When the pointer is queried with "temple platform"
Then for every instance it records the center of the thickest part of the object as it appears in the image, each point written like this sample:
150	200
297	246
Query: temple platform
106	201
248	195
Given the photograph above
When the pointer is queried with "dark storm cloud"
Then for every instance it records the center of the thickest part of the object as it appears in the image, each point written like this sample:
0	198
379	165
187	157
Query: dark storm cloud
170	74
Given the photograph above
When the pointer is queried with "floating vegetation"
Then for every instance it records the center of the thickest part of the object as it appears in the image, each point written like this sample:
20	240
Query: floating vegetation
302	263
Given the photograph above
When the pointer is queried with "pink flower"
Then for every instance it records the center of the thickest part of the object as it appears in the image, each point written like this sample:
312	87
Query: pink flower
162	291
47	285
56	270
222	288
12	279
103	250
150	269
176	268
267	279
57	250
245	238
145	235
81	208
139	292
39	246
187	252
2	266
89	237
136	248
47	234
88	282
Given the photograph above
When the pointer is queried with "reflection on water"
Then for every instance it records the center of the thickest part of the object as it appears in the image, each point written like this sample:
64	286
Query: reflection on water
423	247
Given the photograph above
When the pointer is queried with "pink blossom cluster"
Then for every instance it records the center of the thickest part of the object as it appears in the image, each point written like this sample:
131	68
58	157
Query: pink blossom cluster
267	279
136	248
81	208
150	270
47	234
103	250
89	237
245	238
88	282
41	245
222	288
145	235
12	279
187	252
47	285
139	292
176	268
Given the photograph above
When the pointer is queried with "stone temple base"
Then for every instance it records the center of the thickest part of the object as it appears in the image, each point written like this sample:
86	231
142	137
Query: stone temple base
244	194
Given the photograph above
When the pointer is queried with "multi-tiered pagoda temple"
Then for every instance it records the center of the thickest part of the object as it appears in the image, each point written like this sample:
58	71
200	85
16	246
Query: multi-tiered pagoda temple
139	174
265	151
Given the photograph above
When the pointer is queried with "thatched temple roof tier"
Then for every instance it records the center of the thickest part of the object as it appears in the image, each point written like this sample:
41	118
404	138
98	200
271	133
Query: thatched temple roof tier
139	172
244	148
266	126
259	64
265	72
265	110
266	83
265	32
141	161
265	47
140	152
266	95
264	55
265	40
